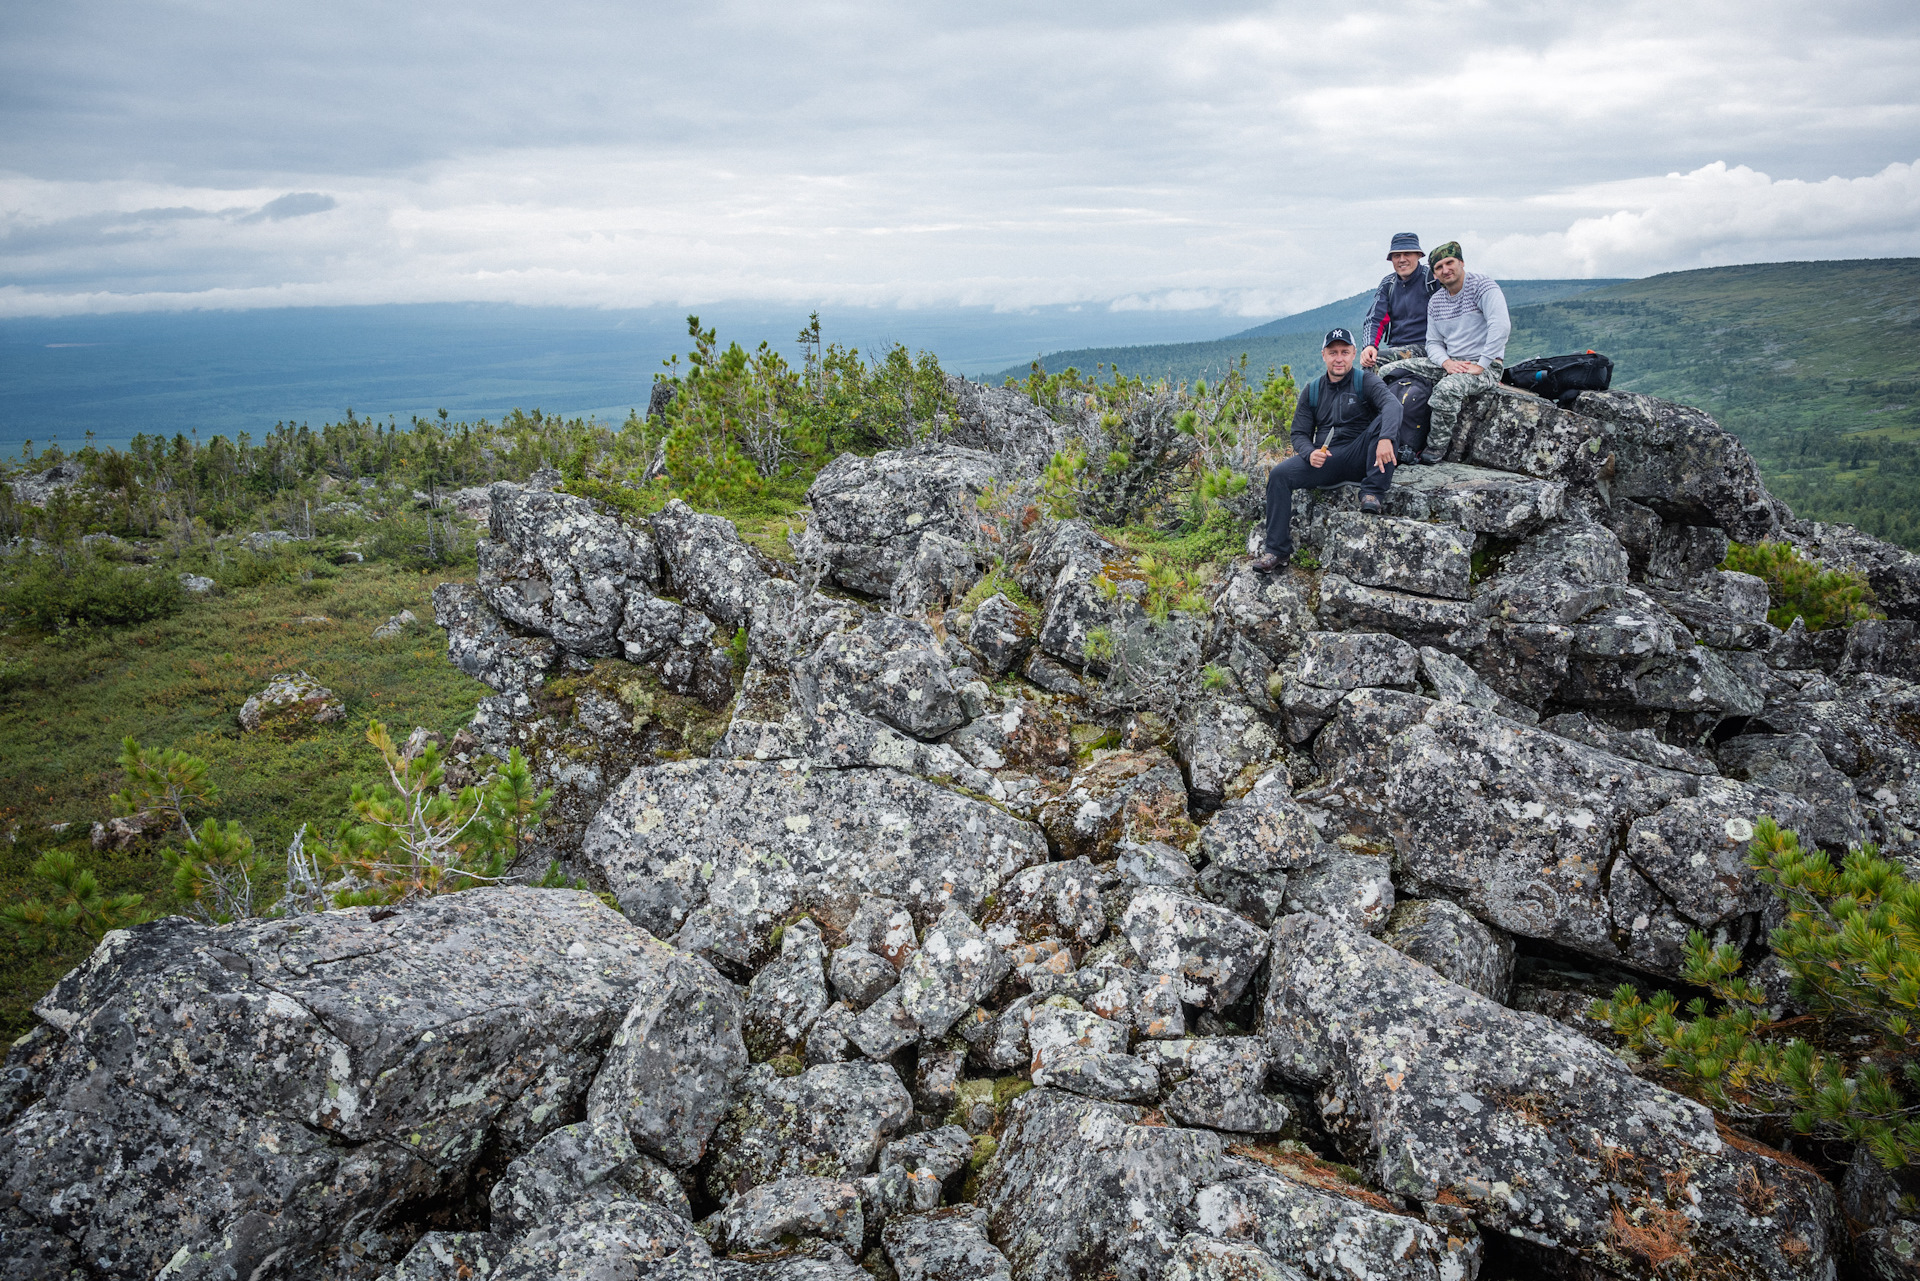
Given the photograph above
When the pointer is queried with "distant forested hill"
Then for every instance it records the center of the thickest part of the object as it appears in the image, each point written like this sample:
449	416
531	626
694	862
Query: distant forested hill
1815	365
1291	340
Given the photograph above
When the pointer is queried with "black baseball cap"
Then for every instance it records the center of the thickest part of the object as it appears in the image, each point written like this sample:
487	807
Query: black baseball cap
1338	335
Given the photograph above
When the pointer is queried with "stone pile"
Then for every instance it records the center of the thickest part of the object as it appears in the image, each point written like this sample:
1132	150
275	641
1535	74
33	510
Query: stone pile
952	942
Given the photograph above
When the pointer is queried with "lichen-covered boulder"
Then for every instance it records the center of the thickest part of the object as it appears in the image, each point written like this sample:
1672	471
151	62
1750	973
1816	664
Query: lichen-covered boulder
1060	900
1079	1189
874	514
788	994
1217	738
1344	885
1133	797
571	1176
1794	763
671	1070
1404	555
558	566
1329	1230
291	700
482	646
1681	463
1217	1082
726	849
1559	575
1204	1258
1453	625
770	1215
1267	610
859	977
831	1121
1211	951
956	967
1893	572
280	1089
1352	660
1538	1132
1001	633
1517	431
889	668
705	565
1454	944
948	1245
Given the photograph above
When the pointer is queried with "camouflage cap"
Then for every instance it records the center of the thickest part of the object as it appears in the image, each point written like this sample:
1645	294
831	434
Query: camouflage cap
1449	250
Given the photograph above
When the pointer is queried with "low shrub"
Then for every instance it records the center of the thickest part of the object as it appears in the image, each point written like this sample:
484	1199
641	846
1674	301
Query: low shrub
1802	588
1851	943
57	590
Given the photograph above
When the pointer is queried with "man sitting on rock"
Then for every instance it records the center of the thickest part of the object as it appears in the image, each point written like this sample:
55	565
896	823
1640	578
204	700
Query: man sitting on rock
1396	324
1345	426
1467	330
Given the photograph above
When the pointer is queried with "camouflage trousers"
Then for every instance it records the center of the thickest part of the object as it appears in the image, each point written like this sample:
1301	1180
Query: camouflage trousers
1449	394
1389	355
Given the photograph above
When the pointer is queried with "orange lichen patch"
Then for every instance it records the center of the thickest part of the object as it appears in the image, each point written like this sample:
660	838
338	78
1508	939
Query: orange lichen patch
1152	1117
1315	1173
1740	1142
1658	1237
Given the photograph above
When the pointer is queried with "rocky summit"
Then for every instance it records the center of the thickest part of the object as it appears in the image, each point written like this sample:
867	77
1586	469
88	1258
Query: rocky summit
939	929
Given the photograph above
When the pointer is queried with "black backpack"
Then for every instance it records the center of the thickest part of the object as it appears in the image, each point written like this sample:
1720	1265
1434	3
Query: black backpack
1562	378
1416	415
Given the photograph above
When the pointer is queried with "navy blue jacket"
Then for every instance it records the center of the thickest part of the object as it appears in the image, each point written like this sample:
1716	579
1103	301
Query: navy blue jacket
1405	301
1346	409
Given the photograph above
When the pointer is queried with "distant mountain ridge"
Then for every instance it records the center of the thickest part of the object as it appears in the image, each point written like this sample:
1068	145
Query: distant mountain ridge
1291	340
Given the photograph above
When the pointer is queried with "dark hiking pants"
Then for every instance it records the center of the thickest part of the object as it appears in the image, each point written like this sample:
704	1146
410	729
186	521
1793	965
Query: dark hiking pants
1352	460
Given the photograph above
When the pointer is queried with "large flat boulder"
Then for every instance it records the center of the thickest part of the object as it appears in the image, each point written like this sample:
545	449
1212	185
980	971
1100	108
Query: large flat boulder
1402	555
282	1089
1517	431
1538	1132
723	850
1524	827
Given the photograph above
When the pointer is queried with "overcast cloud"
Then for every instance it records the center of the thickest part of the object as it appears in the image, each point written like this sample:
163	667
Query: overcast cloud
1240	156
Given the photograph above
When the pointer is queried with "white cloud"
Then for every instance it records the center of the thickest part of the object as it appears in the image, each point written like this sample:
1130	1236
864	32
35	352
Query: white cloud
1250	157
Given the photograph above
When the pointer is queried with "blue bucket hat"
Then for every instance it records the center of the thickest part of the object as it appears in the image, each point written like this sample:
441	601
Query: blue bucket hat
1405	242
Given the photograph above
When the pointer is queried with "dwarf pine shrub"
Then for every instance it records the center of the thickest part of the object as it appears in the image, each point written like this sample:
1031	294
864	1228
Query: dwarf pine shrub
70	903
162	783
1801	588
1851	943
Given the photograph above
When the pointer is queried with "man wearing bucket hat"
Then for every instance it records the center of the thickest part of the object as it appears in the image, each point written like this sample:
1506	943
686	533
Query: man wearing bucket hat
1467	331
1396	324
1345	427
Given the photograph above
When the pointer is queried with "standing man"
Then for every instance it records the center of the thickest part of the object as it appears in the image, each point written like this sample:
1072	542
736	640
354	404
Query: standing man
1344	428
1396	324
1467	331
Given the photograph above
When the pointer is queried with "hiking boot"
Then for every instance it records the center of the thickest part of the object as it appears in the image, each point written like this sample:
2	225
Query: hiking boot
1268	563
1432	456
1370	505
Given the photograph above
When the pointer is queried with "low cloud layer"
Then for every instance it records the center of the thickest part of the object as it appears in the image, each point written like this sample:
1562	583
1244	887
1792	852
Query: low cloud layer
1251	159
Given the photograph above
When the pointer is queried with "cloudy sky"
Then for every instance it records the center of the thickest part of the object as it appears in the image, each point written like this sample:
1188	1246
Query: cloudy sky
1248	157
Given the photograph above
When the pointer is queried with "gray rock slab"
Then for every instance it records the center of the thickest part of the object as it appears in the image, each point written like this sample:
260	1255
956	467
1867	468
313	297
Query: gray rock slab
482	646
1351	660
948	1245
557	565
1538	1131
1403	555
1078	1188
831	1121
1213	952
1327	1235
772	1214
271	1086
726	849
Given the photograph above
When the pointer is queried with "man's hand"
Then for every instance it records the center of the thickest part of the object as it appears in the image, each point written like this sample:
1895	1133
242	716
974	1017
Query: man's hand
1383	455
1318	458
1462	367
1368	355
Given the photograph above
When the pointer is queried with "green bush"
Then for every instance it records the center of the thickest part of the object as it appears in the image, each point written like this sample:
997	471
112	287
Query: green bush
1800	588
1852	946
73	904
57	590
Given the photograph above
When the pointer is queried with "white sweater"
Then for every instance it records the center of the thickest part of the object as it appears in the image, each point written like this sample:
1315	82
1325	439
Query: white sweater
1471	325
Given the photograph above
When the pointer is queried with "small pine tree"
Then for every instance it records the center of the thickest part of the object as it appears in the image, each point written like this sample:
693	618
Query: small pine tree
162	782
73	905
415	839
1852	945
215	873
